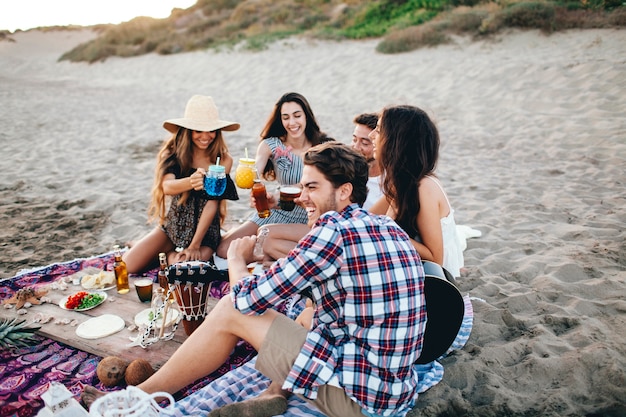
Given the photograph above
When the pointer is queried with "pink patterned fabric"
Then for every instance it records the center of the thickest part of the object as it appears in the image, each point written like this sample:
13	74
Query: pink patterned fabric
283	152
26	373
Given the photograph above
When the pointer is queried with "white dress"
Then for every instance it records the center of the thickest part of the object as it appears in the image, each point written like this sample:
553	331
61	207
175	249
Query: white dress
453	244
374	192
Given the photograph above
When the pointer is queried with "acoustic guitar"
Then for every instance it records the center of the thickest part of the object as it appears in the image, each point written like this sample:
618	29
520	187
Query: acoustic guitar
444	310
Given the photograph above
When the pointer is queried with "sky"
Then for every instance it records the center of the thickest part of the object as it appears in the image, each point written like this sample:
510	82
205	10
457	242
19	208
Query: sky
28	14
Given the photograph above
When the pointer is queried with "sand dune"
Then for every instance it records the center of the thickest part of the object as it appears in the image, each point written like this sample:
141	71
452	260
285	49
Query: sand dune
533	155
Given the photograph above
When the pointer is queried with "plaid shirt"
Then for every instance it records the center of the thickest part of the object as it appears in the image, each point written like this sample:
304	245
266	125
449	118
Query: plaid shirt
367	282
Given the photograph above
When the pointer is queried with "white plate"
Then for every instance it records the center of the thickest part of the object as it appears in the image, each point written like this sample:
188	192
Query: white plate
101	289
143	318
64	301
101	326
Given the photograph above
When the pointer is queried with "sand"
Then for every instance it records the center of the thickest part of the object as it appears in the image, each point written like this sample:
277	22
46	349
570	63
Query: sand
533	155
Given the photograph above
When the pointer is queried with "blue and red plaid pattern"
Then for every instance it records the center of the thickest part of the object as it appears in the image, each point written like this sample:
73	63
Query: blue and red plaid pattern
367	282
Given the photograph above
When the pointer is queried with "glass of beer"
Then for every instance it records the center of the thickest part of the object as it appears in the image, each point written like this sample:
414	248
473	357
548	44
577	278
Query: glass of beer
144	289
288	194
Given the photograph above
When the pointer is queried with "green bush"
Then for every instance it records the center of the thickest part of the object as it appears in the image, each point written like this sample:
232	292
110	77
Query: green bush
379	17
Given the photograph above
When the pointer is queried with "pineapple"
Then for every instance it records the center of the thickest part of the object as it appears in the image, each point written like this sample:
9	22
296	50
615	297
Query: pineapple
15	333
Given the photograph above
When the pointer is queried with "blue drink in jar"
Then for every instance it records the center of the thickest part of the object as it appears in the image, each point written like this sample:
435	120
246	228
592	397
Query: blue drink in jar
215	181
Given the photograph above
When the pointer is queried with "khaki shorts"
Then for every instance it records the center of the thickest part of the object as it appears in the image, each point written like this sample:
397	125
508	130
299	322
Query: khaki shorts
278	353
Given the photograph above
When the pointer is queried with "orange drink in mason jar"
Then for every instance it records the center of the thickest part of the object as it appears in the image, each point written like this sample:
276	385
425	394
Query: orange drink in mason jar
245	173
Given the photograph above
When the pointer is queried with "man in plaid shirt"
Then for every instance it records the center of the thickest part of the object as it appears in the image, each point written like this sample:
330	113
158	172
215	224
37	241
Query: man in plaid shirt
366	281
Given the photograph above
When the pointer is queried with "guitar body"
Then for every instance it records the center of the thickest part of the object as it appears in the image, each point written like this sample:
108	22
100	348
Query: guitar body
444	309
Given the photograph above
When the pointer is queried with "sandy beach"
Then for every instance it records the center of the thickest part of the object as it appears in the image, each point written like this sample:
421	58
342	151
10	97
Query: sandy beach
533	155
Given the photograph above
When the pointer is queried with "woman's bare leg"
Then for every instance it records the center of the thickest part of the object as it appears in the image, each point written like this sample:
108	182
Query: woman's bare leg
282	238
144	254
249	228
305	318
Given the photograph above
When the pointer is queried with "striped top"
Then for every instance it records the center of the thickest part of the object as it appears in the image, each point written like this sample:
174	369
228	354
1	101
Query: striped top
288	168
287	165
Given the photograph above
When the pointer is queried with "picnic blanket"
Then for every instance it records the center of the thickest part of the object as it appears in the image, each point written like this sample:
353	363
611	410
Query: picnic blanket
246	382
26	373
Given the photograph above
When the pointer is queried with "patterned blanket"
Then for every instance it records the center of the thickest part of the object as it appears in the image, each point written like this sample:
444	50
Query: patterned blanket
25	373
246	382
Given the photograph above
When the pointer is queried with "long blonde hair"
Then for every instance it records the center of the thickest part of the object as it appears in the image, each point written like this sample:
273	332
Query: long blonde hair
178	150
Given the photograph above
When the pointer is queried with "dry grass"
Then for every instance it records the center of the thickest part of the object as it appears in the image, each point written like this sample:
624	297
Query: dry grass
402	25
488	19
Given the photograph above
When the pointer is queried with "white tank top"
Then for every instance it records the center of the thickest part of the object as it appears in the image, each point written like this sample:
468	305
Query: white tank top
374	192
452	245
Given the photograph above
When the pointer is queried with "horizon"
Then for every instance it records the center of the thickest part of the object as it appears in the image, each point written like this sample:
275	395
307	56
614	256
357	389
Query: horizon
20	15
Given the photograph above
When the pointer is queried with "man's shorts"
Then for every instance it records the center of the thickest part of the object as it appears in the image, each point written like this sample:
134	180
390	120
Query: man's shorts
278	353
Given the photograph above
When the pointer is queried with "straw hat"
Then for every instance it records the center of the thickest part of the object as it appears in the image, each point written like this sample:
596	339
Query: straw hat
200	114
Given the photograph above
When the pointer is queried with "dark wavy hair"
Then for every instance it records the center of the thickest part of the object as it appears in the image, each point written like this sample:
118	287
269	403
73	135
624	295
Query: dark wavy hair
409	143
274	127
340	164
367	119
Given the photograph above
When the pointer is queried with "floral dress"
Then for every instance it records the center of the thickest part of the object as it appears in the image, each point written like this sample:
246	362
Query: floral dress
182	219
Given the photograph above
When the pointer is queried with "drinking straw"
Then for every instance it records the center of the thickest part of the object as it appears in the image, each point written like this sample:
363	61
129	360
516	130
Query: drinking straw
246	150
218	161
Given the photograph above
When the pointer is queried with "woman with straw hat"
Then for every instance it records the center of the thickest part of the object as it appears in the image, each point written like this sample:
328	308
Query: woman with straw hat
190	228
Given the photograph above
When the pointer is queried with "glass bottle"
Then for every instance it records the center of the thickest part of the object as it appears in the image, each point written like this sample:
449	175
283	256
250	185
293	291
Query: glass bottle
215	180
245	173
260	239
121	273
157	308
163	282
260	198
164	314
157	303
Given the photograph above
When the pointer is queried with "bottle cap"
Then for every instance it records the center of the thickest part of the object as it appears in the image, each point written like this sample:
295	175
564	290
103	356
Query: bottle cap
217	168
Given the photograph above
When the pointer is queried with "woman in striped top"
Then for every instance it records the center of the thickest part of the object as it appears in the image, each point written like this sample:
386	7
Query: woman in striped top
289	132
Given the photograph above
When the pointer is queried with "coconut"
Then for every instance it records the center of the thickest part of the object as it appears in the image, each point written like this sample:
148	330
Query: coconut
138	371
111	370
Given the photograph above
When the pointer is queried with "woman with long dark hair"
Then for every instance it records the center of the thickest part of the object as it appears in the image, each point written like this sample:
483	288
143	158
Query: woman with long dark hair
289	132
406	143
